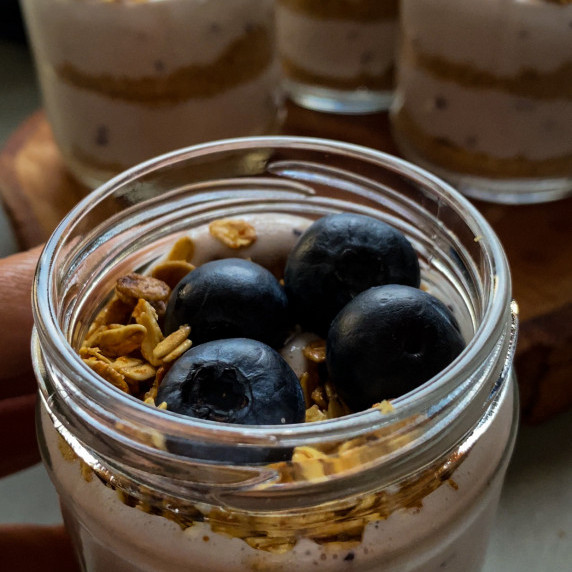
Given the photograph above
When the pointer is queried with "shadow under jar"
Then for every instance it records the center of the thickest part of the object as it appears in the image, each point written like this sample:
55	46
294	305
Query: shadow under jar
412	487
484	96
126	81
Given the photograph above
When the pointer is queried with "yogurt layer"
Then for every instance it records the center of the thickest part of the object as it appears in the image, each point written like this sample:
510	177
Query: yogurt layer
335	49
111	135
532	129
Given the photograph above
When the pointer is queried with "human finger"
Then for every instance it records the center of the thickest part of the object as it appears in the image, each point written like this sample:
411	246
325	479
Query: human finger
16	278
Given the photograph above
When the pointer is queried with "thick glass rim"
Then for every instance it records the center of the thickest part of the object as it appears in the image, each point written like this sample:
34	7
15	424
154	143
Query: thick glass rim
53	340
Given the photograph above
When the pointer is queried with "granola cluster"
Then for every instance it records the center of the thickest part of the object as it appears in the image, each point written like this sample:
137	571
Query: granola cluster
125	344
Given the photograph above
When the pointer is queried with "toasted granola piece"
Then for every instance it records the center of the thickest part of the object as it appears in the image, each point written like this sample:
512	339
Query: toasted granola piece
172	271
116	311
314	414
183	249
87	352
319	397
172	344
309	382
336	407
134	369
178	351
315	351
234	233
274	545
137	286
151	393
133	287
107	372
116	339
384	406
146	316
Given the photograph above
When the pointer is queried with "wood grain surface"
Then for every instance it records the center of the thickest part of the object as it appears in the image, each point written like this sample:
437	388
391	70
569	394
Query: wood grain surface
37	192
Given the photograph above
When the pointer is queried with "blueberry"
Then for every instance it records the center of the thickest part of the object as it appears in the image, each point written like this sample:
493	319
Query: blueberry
235	380
229	298
387	341
340	256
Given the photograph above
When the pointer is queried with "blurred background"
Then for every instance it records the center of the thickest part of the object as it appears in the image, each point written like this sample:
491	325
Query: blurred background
534	522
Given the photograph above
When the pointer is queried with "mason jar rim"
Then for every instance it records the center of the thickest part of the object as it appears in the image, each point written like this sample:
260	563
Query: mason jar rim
53	340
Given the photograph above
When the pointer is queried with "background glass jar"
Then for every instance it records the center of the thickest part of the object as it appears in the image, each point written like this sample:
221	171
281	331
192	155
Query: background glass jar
411	488
484	96
338	56
126	81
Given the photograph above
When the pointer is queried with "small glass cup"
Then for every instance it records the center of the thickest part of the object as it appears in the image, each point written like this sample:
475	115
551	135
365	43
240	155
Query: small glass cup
126	81
338	56
484	96
413	487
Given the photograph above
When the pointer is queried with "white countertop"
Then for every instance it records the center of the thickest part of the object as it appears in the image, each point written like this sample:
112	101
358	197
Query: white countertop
533	530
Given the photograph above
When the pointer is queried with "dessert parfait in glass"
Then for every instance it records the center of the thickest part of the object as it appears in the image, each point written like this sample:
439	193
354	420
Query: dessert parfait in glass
484	95
276	353
125	80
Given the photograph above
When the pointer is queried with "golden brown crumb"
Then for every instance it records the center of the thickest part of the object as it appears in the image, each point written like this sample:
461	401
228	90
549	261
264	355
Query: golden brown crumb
234	233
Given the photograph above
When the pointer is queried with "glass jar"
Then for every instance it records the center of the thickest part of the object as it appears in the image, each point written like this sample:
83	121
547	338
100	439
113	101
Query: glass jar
413	486
126	81
338	56
484	96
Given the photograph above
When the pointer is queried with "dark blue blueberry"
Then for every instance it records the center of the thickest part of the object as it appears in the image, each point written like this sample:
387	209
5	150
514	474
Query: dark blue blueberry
230	298
235	380
387	341
340	256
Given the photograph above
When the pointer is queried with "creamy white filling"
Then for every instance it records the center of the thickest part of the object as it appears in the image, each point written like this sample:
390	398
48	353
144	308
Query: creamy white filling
276	236
336	48
494	122
115	131
135	39
503	37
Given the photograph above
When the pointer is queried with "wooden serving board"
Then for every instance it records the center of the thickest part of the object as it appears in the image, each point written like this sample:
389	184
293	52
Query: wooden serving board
37	191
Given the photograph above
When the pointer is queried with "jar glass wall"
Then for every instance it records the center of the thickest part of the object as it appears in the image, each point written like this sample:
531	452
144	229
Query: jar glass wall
484	96
338	56
126	81
411	487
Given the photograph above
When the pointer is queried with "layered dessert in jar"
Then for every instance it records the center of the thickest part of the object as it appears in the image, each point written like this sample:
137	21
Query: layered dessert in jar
126	80
485	95
271	354
353	326
338	55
